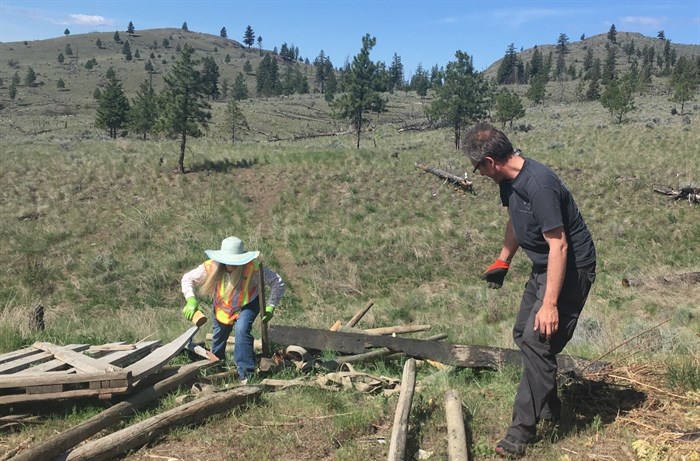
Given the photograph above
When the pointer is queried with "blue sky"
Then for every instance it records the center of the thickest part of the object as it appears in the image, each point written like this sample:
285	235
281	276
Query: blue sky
419	31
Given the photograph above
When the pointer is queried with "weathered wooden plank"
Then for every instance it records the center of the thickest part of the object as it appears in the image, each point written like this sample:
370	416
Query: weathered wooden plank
457	447
56	444
24	398
19	354
34	359
124	358
45	379
156	359
445	352
120	358
77	360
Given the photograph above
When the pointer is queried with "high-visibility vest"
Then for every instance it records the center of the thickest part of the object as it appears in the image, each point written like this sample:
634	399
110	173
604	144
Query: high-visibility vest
227	308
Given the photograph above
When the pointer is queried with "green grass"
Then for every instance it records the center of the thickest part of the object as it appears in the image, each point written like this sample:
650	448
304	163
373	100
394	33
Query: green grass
100	232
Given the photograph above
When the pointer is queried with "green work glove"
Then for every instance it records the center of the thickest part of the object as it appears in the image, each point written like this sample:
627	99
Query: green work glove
190	308
269	313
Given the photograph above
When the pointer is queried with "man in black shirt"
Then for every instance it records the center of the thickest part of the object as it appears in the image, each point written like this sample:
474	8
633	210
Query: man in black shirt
545	221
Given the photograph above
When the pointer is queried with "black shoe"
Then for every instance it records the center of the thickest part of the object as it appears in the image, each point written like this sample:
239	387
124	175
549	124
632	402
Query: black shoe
510	448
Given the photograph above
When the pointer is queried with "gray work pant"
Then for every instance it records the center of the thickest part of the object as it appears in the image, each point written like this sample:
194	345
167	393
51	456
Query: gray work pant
537	392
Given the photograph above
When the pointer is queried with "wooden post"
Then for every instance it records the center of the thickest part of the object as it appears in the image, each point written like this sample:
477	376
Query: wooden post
356	318
457	449
399	432
67	439
263	325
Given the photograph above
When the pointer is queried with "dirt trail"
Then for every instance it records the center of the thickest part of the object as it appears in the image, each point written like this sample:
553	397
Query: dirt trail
264	190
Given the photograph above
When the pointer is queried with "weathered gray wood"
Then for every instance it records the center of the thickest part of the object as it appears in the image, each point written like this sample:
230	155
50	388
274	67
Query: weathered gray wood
77	360
358	316
125	358
399	431
57	444
46	379
137	435
398	329
371	355
19	354
156	359
34	359
445	352
456	181
457	449
23	398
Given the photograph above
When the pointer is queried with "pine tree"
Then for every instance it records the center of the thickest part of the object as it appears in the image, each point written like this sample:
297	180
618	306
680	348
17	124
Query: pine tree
260	43
267	77
16	79
116	37
240	88
113	106
249	36
184	27
144	110
130	29
68	50
396	79
66	32
227	59
234	118
420	82
126	50
612	34
538	89
463	98
223	33
61	58
609	67
12	91
618	98
360	94
30	77
210	77
98	43
322	68
184	110
507	73
508	106
684	82
247	67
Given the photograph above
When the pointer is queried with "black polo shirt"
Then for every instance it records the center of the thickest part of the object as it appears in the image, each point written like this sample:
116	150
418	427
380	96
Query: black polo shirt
538	201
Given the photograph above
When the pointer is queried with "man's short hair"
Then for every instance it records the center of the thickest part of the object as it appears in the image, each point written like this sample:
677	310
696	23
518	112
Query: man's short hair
483	140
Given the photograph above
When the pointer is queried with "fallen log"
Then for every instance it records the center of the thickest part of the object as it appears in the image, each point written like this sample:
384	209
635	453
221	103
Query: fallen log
688	277
692	194
445	352
399	431
456	181
137	435
66	440
457	449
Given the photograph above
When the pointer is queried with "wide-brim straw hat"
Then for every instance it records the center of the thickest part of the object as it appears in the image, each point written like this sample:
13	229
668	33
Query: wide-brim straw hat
232	253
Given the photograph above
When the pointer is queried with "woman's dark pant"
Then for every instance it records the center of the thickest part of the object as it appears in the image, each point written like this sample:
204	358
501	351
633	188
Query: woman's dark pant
538	385
243	354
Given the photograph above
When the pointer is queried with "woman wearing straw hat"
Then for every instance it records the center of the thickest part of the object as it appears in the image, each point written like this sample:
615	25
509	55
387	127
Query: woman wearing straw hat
231	278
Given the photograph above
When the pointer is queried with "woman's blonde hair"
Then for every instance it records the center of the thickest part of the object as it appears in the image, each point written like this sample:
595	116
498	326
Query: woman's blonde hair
211	283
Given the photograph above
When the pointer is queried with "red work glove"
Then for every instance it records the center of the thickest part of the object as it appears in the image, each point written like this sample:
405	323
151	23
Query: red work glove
495	274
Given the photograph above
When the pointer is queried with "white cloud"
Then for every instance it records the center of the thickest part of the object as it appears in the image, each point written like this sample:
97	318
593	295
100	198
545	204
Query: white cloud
88	20
644	21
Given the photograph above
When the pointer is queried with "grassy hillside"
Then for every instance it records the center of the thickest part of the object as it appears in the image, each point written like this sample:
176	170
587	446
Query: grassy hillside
99	232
